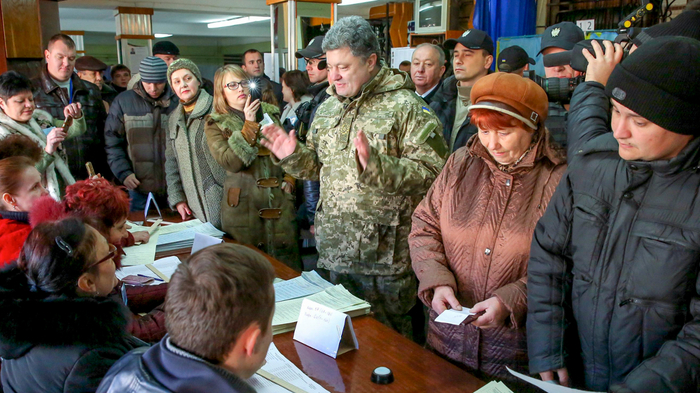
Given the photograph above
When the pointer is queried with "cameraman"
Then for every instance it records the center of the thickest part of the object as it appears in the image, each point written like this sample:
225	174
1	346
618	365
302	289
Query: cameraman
617	253
559	38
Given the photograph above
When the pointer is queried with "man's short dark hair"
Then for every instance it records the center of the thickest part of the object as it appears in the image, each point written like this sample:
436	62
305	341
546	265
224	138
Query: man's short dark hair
67	41
252	51
215	295
405	63
117	68
13	83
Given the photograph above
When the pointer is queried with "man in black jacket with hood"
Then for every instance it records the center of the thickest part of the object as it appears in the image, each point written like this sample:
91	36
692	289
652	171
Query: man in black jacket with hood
617	253
471	61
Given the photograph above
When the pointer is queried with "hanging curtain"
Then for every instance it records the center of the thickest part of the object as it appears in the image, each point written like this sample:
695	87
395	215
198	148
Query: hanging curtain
505	18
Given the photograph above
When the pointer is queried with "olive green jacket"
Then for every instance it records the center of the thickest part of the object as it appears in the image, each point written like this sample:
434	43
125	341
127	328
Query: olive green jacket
364	217
254	209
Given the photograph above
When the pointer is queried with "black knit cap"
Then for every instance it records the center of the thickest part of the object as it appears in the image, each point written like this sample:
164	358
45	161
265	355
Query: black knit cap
165	48
660	82
687	24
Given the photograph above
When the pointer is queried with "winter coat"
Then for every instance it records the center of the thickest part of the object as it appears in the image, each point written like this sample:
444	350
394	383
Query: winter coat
55	171
135	137
619	247
472	232
57	344
90	145
290	109
429	98
108	93
14	229
167	368
444	103
364	216
255	210
192	174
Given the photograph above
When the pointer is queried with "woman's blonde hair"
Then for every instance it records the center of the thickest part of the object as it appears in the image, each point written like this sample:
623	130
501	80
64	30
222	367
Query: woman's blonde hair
220	104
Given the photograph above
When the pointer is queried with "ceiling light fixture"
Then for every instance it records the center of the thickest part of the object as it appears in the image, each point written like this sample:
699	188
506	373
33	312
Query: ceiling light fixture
353	2
237	21
159	35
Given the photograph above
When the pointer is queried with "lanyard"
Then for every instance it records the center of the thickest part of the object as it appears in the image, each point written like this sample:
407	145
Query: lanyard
70	90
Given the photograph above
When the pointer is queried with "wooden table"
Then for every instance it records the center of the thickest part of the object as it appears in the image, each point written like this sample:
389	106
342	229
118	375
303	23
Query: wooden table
415	368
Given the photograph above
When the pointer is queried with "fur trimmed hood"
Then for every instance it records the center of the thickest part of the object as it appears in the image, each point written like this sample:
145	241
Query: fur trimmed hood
31	318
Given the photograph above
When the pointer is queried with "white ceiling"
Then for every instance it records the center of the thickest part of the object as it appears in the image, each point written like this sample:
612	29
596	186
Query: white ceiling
183	17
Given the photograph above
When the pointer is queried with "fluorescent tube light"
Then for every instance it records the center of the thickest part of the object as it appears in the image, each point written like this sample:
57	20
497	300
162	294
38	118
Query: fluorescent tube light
353	2
159	35
237	21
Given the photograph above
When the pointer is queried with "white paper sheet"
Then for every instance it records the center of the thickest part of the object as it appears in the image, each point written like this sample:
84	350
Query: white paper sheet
203	241
167	266
336	297
546	386
281	367
494	387
306	284
454	317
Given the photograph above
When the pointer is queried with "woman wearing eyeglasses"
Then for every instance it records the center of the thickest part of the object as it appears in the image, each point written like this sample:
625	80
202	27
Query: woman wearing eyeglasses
59	331
258	203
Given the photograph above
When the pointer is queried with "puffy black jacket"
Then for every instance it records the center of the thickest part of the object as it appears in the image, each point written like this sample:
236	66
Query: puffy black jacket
619	249
88	146
135	137
57	344
167	368
444	103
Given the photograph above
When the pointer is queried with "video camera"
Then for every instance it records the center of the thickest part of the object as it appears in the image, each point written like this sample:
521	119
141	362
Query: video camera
561	89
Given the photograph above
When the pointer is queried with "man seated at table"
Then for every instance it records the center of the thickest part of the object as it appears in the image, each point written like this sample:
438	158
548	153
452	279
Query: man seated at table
219	319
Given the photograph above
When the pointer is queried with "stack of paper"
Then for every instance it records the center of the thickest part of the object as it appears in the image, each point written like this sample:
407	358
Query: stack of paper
279	375
306	284
160	270
180	236
335	297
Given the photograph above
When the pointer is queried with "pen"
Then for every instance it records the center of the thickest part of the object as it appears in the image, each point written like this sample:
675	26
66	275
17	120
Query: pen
143	275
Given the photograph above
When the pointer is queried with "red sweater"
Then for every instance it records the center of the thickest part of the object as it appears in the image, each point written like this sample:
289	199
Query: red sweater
12	236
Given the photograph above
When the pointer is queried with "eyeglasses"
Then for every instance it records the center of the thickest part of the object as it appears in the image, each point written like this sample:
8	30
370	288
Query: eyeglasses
111	255
234	85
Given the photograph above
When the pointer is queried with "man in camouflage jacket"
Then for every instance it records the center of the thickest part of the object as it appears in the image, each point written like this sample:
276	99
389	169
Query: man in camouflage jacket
376	149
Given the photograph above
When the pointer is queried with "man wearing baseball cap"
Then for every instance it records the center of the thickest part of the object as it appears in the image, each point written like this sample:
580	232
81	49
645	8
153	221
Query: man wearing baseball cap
514	60
559	38
134	133
90	69
617	253
471	61
315	59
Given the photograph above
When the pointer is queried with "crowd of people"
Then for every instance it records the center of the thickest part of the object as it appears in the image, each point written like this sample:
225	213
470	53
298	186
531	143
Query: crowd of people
569	229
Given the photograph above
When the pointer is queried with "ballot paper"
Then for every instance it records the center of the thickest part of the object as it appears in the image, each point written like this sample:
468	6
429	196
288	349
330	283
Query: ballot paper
141	254
335	297
494	387
203	241
180	236
546	386
454	317
165	266
306	284
280	368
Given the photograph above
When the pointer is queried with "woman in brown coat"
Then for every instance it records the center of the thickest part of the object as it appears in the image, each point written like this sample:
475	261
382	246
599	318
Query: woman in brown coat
258	203
471	235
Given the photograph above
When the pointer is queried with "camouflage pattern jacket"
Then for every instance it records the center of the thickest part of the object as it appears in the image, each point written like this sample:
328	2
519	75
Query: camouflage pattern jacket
364	217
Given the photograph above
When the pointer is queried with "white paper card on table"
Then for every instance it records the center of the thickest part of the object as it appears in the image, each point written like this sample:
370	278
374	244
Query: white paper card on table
280	367
203	241
324	329
454	317
150	199
546	386
165	266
